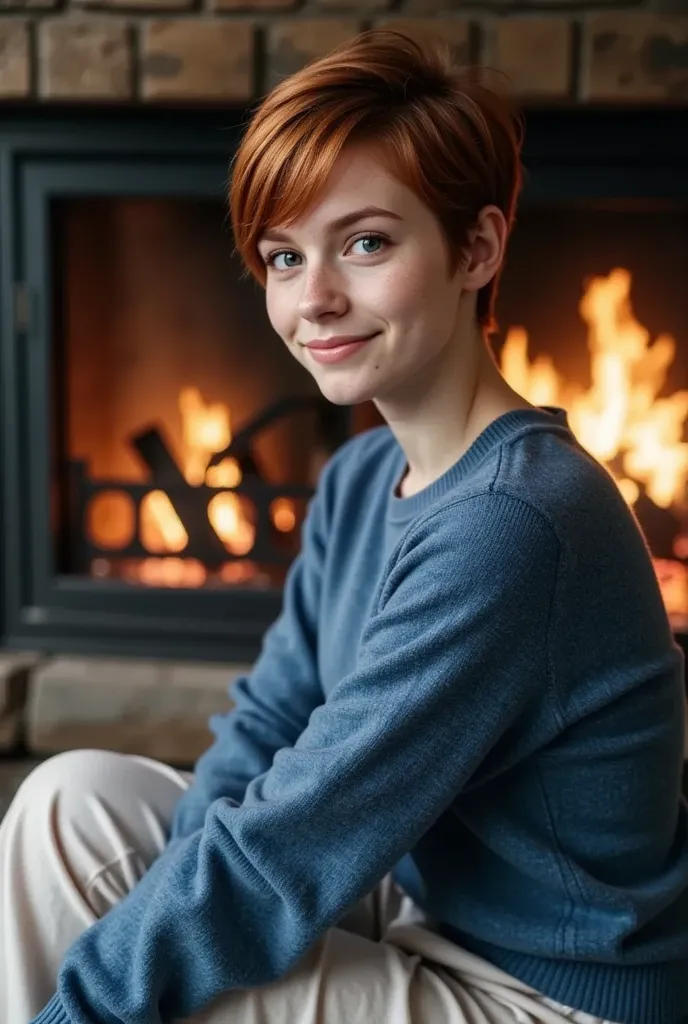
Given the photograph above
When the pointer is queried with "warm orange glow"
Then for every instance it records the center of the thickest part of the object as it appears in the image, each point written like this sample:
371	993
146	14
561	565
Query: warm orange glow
171	572
161	530
620	415
226	474
111	519
283	515
228	520
244	571
206	429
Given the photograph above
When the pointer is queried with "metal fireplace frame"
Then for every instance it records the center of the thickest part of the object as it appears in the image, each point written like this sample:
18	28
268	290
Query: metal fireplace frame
571	154
52	155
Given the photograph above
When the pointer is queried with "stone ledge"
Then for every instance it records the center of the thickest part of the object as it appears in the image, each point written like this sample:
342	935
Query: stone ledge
12	774
158	709
14	681
155	708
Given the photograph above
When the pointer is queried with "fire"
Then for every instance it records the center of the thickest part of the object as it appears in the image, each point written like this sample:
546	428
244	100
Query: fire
206	430
620	417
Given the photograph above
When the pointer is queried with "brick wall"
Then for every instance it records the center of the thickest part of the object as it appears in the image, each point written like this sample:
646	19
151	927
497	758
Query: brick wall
210	51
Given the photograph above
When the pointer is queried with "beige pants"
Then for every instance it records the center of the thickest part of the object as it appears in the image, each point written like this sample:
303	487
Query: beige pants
81	832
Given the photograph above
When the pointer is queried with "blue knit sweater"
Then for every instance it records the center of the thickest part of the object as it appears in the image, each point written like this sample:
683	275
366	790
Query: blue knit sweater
475	686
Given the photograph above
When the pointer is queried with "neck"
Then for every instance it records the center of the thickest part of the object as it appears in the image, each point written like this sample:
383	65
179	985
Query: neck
448	406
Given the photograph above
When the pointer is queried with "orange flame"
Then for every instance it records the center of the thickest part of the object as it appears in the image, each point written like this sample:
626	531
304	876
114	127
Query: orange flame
206	430
620	415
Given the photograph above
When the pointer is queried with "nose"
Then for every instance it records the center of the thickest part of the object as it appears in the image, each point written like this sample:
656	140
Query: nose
322	294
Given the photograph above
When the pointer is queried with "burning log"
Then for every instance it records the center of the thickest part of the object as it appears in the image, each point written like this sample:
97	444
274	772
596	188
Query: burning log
190	503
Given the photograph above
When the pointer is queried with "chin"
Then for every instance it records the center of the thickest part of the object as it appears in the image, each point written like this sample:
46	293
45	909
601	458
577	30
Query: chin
346	392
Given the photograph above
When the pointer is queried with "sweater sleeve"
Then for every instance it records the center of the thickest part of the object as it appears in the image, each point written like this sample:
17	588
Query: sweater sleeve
272	704
453	656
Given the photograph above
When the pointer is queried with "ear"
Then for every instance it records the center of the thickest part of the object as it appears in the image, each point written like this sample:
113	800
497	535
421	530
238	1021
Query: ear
485	249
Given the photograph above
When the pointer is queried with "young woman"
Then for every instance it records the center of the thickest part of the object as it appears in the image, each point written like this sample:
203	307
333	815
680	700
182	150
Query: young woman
449	790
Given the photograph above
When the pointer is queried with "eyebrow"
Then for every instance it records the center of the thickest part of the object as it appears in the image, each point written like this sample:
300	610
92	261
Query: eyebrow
346	221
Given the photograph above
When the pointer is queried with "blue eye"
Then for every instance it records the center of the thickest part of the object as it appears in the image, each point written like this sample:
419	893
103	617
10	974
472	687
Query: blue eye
366	240
372	243
274	256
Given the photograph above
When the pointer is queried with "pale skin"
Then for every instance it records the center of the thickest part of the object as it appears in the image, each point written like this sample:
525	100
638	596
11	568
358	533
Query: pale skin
426	367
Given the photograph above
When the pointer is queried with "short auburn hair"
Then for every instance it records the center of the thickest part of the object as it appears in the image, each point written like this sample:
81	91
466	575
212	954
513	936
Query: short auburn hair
439	129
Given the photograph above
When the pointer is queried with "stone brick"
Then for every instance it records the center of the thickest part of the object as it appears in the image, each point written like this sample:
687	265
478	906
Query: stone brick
156	708
506	6
15	60
635	57
14	676
455	31
533	53
292	44
197	59
137	6
362	6
254	5
429	8
28	5
85	59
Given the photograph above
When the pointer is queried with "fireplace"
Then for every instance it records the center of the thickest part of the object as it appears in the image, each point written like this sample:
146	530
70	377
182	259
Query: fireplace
188	439
160	445
594	315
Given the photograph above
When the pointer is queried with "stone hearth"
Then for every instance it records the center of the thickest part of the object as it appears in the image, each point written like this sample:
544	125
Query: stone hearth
156	708
140	706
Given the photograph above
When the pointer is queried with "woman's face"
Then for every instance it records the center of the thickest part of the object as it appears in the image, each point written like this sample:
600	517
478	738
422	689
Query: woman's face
367	262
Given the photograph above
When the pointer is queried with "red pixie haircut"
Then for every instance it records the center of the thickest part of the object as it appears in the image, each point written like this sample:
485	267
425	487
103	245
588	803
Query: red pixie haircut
438	129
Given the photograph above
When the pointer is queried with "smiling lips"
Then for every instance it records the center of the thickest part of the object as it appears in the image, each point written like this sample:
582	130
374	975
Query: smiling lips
334	350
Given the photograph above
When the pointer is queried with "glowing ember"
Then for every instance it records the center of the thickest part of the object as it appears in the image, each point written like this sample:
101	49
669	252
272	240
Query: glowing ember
228	520
161	530
170	572
206	430
226	474
283	515
620	415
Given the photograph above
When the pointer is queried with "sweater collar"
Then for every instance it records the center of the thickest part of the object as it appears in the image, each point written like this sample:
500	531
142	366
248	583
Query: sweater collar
507	426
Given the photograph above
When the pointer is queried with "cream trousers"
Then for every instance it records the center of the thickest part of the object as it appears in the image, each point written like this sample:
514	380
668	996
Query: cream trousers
81	832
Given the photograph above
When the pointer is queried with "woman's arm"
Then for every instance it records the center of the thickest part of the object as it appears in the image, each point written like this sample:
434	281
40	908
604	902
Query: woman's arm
453	657
272	704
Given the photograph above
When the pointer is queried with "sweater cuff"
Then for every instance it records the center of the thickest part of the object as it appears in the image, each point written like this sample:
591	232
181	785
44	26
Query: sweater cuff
53	1013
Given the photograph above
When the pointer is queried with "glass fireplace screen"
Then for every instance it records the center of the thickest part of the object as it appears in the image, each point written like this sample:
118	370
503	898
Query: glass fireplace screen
594	317
187	439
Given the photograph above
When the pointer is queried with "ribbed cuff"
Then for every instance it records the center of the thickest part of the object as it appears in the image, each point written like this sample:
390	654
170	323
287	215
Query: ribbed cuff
53	1013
